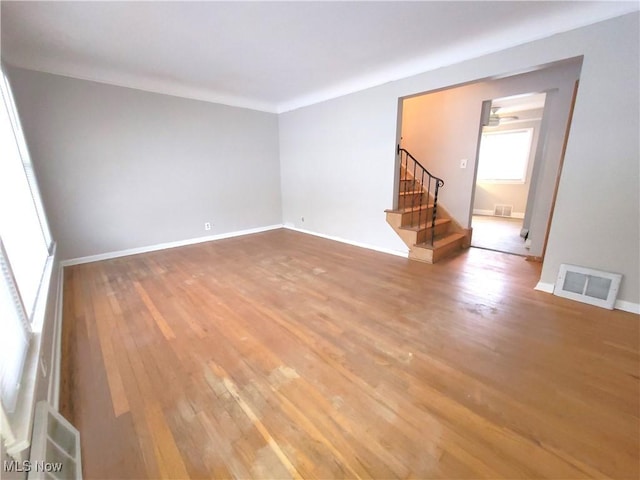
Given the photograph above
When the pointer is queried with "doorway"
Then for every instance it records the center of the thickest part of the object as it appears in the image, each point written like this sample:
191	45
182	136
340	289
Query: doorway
508	148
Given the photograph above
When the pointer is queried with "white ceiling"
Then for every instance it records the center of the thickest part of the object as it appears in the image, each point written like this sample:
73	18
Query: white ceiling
273	56
519	103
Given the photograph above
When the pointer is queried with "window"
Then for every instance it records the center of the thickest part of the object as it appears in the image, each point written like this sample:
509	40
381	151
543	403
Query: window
25	247
14	340
504	156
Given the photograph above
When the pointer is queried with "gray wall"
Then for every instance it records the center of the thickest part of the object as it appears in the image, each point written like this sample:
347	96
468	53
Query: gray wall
337	167
597	215
121	168
337	158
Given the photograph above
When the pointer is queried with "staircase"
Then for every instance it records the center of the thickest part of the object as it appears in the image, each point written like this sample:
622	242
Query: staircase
428	230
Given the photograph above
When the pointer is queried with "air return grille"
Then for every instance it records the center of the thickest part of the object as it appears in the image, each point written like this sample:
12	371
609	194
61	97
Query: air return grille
55	446
587	285
502	210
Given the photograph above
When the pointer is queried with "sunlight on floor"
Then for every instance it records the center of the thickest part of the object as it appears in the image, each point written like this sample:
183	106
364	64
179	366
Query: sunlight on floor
498	233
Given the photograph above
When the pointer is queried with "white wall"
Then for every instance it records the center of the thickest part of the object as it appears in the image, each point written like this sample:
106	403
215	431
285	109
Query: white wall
337	157
121	168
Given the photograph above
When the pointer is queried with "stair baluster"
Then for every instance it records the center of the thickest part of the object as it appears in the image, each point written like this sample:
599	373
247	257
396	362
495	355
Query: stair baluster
422	180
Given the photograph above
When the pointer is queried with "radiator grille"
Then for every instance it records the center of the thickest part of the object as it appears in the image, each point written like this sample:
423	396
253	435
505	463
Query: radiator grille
55	446
588	285
502	210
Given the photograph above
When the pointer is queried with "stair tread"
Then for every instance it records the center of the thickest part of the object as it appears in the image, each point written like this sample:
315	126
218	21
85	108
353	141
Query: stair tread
442	241
410	209
411	192
424	225
416	208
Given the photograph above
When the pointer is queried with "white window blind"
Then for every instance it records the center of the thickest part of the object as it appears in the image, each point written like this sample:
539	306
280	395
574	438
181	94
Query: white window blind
14	340
25	158
25	246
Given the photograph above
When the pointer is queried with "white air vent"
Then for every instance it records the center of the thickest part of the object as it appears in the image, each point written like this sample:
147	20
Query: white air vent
55	446
588	286
502	210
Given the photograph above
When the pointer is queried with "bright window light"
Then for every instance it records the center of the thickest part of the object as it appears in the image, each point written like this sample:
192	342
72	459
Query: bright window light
24	249
20	227
504	156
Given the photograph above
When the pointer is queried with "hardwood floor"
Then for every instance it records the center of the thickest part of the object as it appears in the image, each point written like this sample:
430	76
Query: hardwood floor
282	355
498	233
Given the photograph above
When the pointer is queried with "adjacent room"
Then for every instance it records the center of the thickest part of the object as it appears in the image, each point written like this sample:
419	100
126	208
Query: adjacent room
506	180
320	240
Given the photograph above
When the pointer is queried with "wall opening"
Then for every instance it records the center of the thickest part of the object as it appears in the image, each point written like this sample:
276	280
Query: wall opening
443	129
508	143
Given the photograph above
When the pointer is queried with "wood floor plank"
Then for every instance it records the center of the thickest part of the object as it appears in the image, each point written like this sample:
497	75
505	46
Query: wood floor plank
282	355
103	310
246	408
170	458
155	313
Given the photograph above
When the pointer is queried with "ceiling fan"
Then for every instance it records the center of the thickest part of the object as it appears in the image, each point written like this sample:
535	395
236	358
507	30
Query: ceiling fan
495	119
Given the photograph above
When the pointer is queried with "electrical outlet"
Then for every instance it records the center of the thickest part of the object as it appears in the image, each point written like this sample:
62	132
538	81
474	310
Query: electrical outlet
463	163
302	218
207	226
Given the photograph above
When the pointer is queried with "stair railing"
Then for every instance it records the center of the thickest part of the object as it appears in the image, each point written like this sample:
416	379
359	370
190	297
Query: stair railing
422	179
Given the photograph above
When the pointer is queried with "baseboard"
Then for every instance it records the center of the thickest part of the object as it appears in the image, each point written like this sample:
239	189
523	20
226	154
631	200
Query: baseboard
545	287
397	253
619	305
477	211
164	246
627	306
